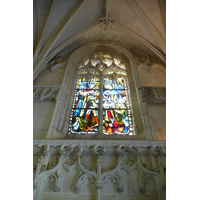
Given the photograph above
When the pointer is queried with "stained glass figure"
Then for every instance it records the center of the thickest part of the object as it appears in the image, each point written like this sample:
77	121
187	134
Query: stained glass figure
84	121
115	99
110	84
83	83
116	113
84	116
115	122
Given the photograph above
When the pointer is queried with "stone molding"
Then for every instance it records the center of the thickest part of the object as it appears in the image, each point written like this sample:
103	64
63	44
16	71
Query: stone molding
41	93
153	94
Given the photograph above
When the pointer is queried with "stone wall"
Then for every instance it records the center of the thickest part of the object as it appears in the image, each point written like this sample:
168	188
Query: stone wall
157	116
42	113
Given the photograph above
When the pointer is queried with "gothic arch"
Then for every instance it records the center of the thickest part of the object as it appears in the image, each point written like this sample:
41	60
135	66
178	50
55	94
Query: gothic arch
60	120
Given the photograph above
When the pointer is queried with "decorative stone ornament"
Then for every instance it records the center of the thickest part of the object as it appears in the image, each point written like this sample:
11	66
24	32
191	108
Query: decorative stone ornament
128	160
45	93
156	150
99	150
154	94
105	22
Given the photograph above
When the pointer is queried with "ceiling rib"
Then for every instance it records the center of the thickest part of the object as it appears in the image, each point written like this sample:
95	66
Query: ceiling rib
163	9
142	40
48	21
70	39
57	33
35	19
148	25
105	9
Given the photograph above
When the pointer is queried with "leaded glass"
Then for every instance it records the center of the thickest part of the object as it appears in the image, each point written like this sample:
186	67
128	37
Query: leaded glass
119	63
84	121
86	99
119	83
83	83
115	99
115	122
84	116
116	110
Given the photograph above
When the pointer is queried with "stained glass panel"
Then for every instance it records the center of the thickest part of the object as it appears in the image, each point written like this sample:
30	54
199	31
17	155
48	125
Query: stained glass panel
84	115
115	99
115	122
116	113
84	121
83	83
110	84
86	99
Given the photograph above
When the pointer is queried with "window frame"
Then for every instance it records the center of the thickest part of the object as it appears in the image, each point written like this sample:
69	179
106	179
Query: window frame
101	76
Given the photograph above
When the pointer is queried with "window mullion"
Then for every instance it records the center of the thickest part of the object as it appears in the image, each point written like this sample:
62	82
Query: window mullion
101	108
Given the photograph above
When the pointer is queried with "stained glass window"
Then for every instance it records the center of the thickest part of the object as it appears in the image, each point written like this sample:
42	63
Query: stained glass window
116	110
108	99
85	116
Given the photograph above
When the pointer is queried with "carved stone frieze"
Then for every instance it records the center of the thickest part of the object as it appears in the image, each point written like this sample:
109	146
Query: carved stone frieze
41	93
154	94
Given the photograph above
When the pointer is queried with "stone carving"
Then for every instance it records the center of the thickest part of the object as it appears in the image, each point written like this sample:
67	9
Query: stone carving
154	94
99	150
128	159
105	22
156	150
35	185
58	62
55	163
45	93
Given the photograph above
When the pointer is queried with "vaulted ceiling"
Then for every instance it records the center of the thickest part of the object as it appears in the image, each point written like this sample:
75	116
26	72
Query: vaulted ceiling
62	26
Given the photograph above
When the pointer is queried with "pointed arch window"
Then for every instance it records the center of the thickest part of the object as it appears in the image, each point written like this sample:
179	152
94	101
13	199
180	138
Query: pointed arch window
101	103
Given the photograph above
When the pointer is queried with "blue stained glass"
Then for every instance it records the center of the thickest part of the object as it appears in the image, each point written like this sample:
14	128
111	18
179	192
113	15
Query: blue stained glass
117	84
83	83
87	99
114	99
84	117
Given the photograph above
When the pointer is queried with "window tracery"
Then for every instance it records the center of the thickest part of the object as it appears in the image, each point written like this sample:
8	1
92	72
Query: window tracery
101	90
